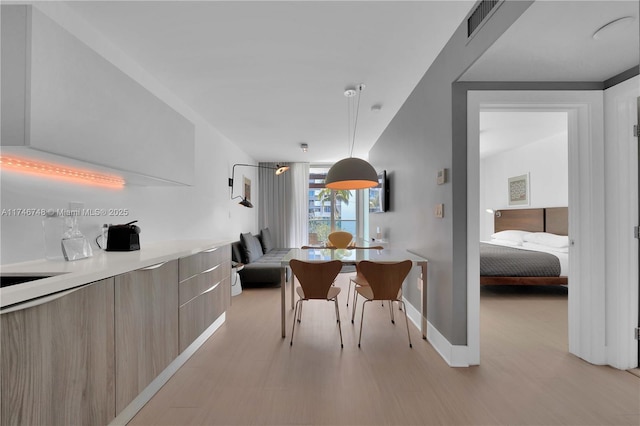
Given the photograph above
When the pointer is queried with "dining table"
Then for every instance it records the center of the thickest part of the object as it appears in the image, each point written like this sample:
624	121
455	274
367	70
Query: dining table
350	256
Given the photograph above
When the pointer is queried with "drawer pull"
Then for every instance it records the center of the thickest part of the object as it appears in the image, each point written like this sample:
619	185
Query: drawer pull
212	288
152	267
210	269
210	250
42	300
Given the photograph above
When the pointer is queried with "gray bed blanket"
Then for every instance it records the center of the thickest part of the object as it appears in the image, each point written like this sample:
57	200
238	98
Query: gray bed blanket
501	261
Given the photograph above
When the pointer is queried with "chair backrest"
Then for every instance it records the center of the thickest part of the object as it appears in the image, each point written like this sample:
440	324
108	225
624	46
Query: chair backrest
315	277
385	279
340	239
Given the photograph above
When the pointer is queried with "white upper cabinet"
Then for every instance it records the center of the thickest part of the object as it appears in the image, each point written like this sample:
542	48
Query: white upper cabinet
62	98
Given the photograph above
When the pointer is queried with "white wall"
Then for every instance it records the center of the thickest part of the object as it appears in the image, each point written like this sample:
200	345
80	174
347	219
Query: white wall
201	211
547	163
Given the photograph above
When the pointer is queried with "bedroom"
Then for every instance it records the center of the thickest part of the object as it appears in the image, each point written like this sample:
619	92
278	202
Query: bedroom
530	148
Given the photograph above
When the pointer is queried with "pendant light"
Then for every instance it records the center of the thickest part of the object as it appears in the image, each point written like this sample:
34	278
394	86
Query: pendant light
352	173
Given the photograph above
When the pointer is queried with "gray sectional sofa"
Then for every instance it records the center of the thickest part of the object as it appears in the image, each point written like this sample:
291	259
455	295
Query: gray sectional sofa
260	258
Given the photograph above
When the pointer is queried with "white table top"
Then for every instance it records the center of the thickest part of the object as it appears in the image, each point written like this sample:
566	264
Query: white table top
101	265
352	256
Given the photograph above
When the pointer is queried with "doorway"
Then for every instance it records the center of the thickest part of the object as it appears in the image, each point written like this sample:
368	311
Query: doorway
516	142
584	110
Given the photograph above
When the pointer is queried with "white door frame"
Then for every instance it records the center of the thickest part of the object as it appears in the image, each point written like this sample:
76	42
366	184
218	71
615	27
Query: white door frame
586	197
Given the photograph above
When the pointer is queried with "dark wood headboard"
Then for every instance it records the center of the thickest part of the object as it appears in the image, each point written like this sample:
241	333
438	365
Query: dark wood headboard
556	220
531	220
552	219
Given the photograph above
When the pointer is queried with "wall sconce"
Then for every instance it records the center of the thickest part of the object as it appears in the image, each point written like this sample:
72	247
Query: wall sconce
244	202
496	212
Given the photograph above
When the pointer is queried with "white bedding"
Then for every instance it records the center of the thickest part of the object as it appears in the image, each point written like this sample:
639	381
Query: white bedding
562	257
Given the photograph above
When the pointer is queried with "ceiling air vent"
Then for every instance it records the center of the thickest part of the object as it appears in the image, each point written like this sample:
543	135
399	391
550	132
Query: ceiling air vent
481	12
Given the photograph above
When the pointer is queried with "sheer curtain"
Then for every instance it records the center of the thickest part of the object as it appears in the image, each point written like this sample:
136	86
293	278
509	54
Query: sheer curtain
284	204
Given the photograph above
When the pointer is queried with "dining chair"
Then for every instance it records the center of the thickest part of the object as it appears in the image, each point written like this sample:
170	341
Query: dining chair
340	239
316	279
358	279
385	282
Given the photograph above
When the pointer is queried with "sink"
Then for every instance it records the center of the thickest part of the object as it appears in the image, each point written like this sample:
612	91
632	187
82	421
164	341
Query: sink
7	280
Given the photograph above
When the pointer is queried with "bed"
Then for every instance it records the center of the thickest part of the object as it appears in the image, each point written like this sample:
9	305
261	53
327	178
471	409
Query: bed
528	247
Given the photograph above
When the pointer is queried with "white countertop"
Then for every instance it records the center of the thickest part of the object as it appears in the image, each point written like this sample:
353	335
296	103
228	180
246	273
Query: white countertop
100	266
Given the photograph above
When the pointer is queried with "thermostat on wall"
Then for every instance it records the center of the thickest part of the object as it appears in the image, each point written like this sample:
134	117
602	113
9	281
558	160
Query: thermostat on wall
442	176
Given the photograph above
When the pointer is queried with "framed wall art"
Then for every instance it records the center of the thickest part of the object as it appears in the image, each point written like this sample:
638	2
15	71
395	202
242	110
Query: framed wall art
519	190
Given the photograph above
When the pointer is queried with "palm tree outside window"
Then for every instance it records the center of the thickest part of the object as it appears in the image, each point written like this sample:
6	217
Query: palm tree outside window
329	210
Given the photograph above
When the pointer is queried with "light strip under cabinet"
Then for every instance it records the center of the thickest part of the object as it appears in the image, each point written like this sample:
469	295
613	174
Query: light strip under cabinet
59	172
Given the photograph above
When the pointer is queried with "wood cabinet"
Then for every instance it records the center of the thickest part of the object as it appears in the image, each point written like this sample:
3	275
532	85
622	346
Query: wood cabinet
204	291
81	356
57	358
146	327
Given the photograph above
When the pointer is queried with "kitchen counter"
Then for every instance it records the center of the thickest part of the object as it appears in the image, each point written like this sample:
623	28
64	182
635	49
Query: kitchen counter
67	275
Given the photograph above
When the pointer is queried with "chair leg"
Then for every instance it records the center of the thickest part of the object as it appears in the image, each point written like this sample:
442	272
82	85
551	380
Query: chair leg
391	312
348	292
339	324
300	313
361	322
355	304
295	313
404	308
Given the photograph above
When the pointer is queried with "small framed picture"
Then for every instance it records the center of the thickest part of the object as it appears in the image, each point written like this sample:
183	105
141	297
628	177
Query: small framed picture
247	188
519	190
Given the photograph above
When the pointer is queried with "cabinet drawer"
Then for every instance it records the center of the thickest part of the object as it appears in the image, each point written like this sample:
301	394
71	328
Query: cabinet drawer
200	262
199	313
198	284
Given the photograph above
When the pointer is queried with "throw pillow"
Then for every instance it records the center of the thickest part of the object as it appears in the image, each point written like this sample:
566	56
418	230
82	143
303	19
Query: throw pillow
267	242
251	247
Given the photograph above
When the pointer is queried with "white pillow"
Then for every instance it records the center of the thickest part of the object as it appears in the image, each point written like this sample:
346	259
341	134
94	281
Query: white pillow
547	239
511	235
540	247
506	242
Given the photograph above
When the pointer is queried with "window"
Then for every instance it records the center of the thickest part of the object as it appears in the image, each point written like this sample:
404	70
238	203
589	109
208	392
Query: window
329	210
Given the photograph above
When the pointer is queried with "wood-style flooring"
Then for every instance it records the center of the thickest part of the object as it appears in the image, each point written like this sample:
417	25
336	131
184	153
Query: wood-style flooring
246	374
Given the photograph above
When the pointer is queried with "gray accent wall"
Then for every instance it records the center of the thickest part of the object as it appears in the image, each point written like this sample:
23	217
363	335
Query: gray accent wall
416	144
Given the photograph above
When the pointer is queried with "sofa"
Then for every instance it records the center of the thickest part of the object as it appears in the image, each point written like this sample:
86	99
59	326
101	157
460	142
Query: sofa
260	258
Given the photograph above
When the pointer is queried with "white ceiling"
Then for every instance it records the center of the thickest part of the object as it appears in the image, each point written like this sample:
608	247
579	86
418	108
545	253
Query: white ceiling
552	41
271	75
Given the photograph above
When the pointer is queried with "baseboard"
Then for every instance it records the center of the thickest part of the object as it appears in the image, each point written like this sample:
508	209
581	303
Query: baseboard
454	355
136	405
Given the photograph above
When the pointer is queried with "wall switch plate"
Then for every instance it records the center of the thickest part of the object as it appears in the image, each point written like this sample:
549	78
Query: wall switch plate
442	176
439	210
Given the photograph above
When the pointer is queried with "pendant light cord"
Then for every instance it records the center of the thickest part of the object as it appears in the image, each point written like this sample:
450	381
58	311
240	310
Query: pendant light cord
355	122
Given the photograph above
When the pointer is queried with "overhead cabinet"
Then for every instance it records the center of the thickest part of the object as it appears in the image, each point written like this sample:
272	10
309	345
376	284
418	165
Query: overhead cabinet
61	98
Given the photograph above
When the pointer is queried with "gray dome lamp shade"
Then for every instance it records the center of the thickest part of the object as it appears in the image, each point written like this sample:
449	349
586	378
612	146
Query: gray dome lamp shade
351	173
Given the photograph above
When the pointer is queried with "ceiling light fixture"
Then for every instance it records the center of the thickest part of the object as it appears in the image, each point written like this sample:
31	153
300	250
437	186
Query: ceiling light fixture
244	202
304	147
612	26
352	173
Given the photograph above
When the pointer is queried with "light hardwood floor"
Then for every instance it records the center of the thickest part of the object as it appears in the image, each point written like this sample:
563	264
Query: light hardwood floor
246	374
